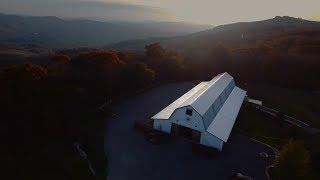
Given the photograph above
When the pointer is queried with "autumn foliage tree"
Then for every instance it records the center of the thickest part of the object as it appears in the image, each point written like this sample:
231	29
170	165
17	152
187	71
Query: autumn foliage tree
58	103
168	64
21	100
97	73
293	161
138	75
155	50
45	102
58	64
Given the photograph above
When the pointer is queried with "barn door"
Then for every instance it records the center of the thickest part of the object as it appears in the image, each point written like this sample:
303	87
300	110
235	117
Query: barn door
175	129
196	136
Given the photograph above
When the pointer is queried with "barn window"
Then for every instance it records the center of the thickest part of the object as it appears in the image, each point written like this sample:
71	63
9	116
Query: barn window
189	112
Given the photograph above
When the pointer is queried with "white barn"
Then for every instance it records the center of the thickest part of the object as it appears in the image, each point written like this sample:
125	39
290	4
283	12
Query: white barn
205	114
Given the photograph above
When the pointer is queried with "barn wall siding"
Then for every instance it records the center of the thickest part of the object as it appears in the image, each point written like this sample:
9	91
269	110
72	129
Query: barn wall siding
162	125
208	139
193	122
206	101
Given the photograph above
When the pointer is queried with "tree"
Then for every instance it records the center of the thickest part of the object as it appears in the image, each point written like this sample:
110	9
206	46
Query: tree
171	68
293	161
22	81
155	50
220	52
22	102
138	75
167	63
219	60
314	144
27	72
263	47
97	73
57	65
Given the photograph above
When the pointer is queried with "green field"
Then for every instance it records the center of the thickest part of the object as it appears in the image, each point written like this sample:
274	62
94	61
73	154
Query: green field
296	103
301	104
262	127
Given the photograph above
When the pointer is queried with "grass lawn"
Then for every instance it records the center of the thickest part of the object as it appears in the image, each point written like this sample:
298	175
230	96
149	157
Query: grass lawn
262	127
301	104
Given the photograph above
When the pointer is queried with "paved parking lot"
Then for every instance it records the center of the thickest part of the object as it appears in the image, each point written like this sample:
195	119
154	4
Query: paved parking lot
131	157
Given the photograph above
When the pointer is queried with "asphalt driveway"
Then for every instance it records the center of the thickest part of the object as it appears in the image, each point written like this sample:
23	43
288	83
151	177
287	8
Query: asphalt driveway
131	157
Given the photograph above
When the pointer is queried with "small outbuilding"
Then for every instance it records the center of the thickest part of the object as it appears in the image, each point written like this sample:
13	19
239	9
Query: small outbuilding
206	114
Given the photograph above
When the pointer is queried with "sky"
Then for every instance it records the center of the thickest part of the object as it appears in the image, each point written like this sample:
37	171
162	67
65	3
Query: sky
212	12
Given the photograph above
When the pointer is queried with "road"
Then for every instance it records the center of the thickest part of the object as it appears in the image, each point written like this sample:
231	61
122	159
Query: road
131	157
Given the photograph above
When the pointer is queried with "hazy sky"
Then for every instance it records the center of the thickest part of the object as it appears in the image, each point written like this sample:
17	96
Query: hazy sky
200	11
225	11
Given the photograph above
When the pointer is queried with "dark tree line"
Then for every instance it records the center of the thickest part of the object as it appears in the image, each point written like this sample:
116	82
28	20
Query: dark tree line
58	102
268	66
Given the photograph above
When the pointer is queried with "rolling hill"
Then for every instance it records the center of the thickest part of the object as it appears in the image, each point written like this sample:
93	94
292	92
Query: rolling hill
25	53
230	35
61	33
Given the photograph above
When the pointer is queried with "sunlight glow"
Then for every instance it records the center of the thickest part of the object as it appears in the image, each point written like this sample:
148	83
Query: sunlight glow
214	12
228	11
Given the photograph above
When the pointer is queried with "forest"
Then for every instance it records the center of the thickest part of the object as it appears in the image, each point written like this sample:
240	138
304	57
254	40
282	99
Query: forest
57	103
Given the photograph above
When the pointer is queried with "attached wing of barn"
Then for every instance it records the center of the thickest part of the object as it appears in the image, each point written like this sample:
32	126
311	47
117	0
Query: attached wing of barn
223	122
204	97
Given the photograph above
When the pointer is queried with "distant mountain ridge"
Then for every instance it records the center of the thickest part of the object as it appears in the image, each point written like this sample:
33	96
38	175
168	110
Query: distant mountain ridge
60	33
229	34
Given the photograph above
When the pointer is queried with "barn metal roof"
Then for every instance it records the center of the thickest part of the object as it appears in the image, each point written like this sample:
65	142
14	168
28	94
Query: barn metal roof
201	97
223	122
166	112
